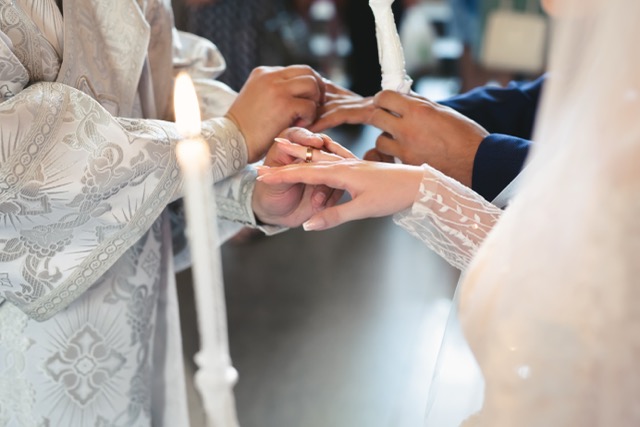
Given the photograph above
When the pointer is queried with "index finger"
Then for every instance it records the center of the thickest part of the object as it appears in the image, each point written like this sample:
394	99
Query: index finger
304	86
303	136
396	102
334	89
320	173
333	147
293	71
306	153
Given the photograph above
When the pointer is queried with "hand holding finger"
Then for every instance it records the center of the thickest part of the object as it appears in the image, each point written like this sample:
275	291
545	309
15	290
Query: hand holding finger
306	154
376	189
272	99
333	147
305	137
342	106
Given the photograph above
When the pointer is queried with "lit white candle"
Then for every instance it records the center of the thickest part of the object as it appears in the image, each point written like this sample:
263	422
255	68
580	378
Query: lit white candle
215	377
390	53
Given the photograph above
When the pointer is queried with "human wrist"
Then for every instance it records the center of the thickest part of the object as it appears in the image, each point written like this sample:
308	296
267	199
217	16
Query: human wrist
261	215
413	180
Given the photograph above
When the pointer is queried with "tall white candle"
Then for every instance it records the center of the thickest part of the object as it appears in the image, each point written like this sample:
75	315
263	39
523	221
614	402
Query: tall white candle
215	377
390	53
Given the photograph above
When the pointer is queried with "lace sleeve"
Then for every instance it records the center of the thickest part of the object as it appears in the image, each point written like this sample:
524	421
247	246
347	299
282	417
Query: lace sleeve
449	217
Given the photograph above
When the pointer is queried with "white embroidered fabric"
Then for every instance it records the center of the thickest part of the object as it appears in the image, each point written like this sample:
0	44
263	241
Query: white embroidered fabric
89	328
449	217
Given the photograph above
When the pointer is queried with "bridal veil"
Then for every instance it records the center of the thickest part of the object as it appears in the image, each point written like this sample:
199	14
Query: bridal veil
549	306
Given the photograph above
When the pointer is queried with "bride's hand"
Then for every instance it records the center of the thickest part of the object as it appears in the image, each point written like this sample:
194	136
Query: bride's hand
291	204
376	189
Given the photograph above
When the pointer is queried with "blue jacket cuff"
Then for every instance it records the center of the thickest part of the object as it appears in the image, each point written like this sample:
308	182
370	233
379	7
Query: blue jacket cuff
499	159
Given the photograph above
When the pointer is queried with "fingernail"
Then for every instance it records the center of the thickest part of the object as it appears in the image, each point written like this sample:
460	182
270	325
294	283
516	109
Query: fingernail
259	177
313	224
285	141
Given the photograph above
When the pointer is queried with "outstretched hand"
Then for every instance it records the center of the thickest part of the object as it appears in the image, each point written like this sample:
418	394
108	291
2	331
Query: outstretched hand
376	189
342	106
292	204
417	130
272	99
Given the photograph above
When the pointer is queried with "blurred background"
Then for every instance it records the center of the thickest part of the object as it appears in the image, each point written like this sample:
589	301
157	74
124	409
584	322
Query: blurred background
342	327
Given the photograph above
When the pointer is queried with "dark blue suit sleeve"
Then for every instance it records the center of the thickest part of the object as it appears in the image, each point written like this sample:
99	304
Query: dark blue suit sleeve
498	161
508	114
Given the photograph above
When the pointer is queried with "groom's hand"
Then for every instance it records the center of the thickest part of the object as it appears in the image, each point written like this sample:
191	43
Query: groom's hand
417	131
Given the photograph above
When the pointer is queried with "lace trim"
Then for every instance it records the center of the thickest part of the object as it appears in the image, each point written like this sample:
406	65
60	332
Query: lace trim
448	217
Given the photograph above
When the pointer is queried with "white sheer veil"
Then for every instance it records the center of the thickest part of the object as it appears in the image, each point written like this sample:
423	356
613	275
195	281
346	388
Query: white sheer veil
550	305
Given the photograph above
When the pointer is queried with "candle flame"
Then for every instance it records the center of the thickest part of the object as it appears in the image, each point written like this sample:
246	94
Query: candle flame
186	107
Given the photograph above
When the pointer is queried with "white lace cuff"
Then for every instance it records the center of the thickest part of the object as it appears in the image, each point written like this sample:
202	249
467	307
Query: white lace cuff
449	217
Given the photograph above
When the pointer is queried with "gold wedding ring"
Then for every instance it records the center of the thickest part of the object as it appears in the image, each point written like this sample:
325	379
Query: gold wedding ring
309	155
